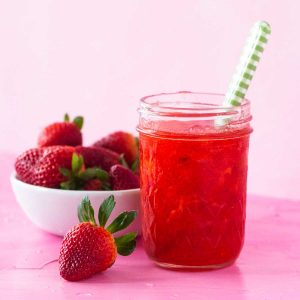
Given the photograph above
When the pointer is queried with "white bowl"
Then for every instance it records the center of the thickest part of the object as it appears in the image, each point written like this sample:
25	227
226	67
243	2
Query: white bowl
55	210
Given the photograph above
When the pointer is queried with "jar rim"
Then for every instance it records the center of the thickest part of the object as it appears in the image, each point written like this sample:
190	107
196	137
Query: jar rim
155	105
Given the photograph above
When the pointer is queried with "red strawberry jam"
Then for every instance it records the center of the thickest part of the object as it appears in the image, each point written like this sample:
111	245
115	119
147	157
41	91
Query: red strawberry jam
193	195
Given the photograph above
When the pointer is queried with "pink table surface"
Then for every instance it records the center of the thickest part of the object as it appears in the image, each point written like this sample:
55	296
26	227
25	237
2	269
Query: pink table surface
268	268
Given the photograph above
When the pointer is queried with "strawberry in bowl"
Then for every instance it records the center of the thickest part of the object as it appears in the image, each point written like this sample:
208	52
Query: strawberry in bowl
122	143
62	133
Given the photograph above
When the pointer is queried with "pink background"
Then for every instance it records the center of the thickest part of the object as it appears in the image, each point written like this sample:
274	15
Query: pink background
97	58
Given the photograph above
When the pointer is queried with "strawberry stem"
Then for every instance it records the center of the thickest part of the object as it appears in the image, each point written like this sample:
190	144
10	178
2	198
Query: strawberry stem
66	118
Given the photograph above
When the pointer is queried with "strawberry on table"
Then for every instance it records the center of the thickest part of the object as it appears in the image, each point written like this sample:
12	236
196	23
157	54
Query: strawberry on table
62	133
41	166
123	178
89	248
98	157
122	143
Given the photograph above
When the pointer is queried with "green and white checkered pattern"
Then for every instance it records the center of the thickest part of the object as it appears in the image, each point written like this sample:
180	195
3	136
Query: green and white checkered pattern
248	63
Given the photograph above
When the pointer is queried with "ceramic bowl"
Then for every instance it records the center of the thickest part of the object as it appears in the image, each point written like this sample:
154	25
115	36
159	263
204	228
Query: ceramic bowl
55	210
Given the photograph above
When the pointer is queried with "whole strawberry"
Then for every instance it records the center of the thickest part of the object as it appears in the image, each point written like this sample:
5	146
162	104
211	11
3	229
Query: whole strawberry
62	133
41	166
88	248
122	143
98	157
123	178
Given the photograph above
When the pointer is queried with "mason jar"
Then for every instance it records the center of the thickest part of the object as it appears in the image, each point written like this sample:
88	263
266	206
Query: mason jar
193	171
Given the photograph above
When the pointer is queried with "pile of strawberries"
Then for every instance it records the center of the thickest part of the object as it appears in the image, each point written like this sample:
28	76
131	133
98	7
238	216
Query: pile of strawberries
60	160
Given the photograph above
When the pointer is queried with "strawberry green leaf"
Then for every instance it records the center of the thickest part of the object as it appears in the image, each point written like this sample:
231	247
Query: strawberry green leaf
101	174
78	121
122	221
87	174
65	172
77	162
126	243
65	185
92	173
81	162
137	141
68	185
122	160
85	211
135	165
66	118
105	210
106	186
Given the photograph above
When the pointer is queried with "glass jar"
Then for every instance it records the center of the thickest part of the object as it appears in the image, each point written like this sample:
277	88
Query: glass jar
193	171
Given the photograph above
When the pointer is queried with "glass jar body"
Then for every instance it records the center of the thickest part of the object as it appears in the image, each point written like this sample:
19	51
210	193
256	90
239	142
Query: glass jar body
193	186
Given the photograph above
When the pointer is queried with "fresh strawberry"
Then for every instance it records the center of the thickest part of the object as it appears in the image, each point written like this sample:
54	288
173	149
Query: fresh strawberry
88	248
93	185
41	166
122	143
98	157
123	178
62	133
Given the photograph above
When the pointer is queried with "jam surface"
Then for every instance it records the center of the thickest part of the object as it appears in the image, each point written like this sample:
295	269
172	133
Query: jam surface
193	198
